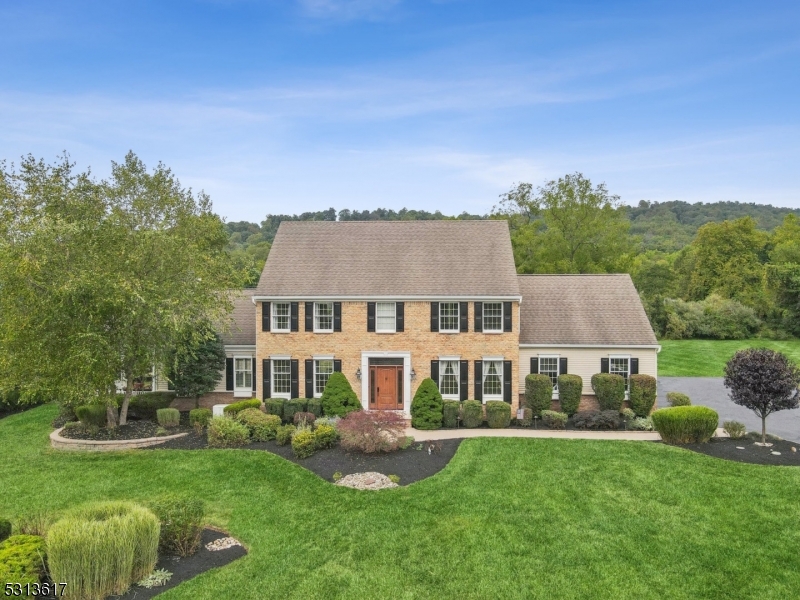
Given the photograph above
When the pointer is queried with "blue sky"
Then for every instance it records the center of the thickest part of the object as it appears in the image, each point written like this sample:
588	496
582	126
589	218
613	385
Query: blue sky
276	107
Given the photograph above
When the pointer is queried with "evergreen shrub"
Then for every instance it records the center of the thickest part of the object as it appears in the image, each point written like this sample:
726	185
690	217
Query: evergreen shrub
426	407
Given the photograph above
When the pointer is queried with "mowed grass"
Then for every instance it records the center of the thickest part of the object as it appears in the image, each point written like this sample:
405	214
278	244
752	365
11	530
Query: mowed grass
707	358
507	518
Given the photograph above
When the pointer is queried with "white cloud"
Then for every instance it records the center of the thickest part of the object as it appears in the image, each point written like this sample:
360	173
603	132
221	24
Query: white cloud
347	9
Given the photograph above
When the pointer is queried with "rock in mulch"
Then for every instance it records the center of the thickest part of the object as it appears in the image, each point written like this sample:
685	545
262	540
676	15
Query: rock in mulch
222	544
779	452
367	481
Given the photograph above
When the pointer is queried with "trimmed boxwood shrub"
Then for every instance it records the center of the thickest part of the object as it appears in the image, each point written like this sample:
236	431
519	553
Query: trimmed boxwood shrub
181	520
594	419
283	435
609	389
168	417
498	414
678	399
274	406
262	427
685	424
91	415
199	418
338	397
231	409
450	410
224	432
5	529
642	395
292	407
144	406
304	444
426	407
326	435
22	559
569	393
538	393
314	406
472	413
554	419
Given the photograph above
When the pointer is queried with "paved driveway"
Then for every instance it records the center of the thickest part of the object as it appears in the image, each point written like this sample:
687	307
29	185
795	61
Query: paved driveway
709	391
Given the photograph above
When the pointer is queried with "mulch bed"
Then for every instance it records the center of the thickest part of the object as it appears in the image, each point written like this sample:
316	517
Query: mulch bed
412	464
134	429
745	451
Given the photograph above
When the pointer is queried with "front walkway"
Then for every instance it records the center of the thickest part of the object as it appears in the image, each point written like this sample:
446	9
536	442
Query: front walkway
449	434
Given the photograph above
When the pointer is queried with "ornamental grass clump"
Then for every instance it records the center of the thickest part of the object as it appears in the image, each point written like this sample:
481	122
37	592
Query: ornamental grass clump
450	410
338	398
224	432
609	389
101	548
168	417
472	414
734	429
642	394
538	393
22	559
181	519
426	407
569	393
498	414
373	431
685	424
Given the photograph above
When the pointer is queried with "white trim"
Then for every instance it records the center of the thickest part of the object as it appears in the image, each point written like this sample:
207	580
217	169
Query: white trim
638	347
449	358
280	357
406	356
500	358
408	298
323	357
239	347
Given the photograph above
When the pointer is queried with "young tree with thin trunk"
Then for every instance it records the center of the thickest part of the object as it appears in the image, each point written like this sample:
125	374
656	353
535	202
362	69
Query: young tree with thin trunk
196	371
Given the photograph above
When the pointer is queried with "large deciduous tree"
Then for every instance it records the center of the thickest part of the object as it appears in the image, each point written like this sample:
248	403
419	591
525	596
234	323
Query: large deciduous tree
102	279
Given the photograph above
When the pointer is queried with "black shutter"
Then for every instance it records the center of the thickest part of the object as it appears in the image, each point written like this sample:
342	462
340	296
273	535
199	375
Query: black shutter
337	316
463	383
337	365
534	365
400	316
506	316
434	316
265	379
478	317
294	310
478	380
265	316
295	370
562	366
435	372
254	375
309	378
229	374
370	316
507	381
463	315
604	365
309	316
634	366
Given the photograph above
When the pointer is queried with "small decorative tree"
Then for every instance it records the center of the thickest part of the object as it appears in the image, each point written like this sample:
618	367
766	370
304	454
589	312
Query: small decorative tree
197	372
763	380
338	397
426	407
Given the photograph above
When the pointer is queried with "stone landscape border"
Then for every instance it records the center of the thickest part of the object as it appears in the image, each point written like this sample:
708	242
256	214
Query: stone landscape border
61	443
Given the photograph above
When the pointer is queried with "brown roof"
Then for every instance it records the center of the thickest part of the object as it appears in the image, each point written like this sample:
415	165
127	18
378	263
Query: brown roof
582	309
242	327
390	258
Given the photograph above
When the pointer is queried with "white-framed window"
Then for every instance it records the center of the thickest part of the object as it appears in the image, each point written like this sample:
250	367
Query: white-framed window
492	380
620	365
385	317
323	317
281	378
448	379
280	317
493	317
548	365
322	371
243	374
448	317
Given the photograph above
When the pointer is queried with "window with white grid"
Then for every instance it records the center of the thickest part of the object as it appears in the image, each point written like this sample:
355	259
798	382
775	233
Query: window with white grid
281	378
448	316
385	317
620	366
323	316
280	316
548	365
448	378
492	379
243	369
322	371
493	316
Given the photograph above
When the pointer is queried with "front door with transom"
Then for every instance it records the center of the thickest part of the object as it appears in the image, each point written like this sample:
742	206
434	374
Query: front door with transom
386	387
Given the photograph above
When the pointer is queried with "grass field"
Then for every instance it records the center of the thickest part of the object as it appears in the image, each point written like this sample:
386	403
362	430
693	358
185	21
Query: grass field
707	358
507	518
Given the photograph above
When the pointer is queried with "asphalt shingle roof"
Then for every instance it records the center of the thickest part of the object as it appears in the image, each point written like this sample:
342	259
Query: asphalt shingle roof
242	327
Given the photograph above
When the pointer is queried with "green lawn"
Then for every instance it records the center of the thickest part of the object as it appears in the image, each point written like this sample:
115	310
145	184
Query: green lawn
707	358
508	518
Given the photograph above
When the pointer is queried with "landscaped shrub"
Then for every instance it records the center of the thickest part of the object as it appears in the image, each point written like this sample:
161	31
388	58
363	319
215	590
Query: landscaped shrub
283	435
734	429
22	560
678	399
168	417
224	432
593	419
262	426
538	393
471	413
314	406
498	414
332	421
199	418
426	407
231	409
306	418
326	436
554	419
144	406
274	406
292	407
181	520
5	529
338	397
627	414
527	417
640	424
450	410
372	431
685	424
304	444
642	394
101	548
91	415
609	389
569	393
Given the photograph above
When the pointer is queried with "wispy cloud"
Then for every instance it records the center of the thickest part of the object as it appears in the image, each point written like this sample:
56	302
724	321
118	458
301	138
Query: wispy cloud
347	10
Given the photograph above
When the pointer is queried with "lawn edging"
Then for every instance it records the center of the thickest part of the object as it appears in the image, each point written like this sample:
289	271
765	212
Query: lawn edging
61	443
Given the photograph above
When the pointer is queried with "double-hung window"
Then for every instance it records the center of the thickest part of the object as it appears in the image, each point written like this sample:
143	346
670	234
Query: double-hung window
548	365
280	317
322	371
492	379
620	365
448	317
448	379
281	378
323	317
385	317
492	317
243	375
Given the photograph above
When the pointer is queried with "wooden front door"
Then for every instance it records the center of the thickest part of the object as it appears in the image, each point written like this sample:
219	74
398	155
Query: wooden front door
386	388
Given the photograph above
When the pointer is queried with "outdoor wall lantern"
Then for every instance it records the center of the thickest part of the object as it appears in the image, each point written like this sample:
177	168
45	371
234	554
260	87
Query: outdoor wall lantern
413	374
358	373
